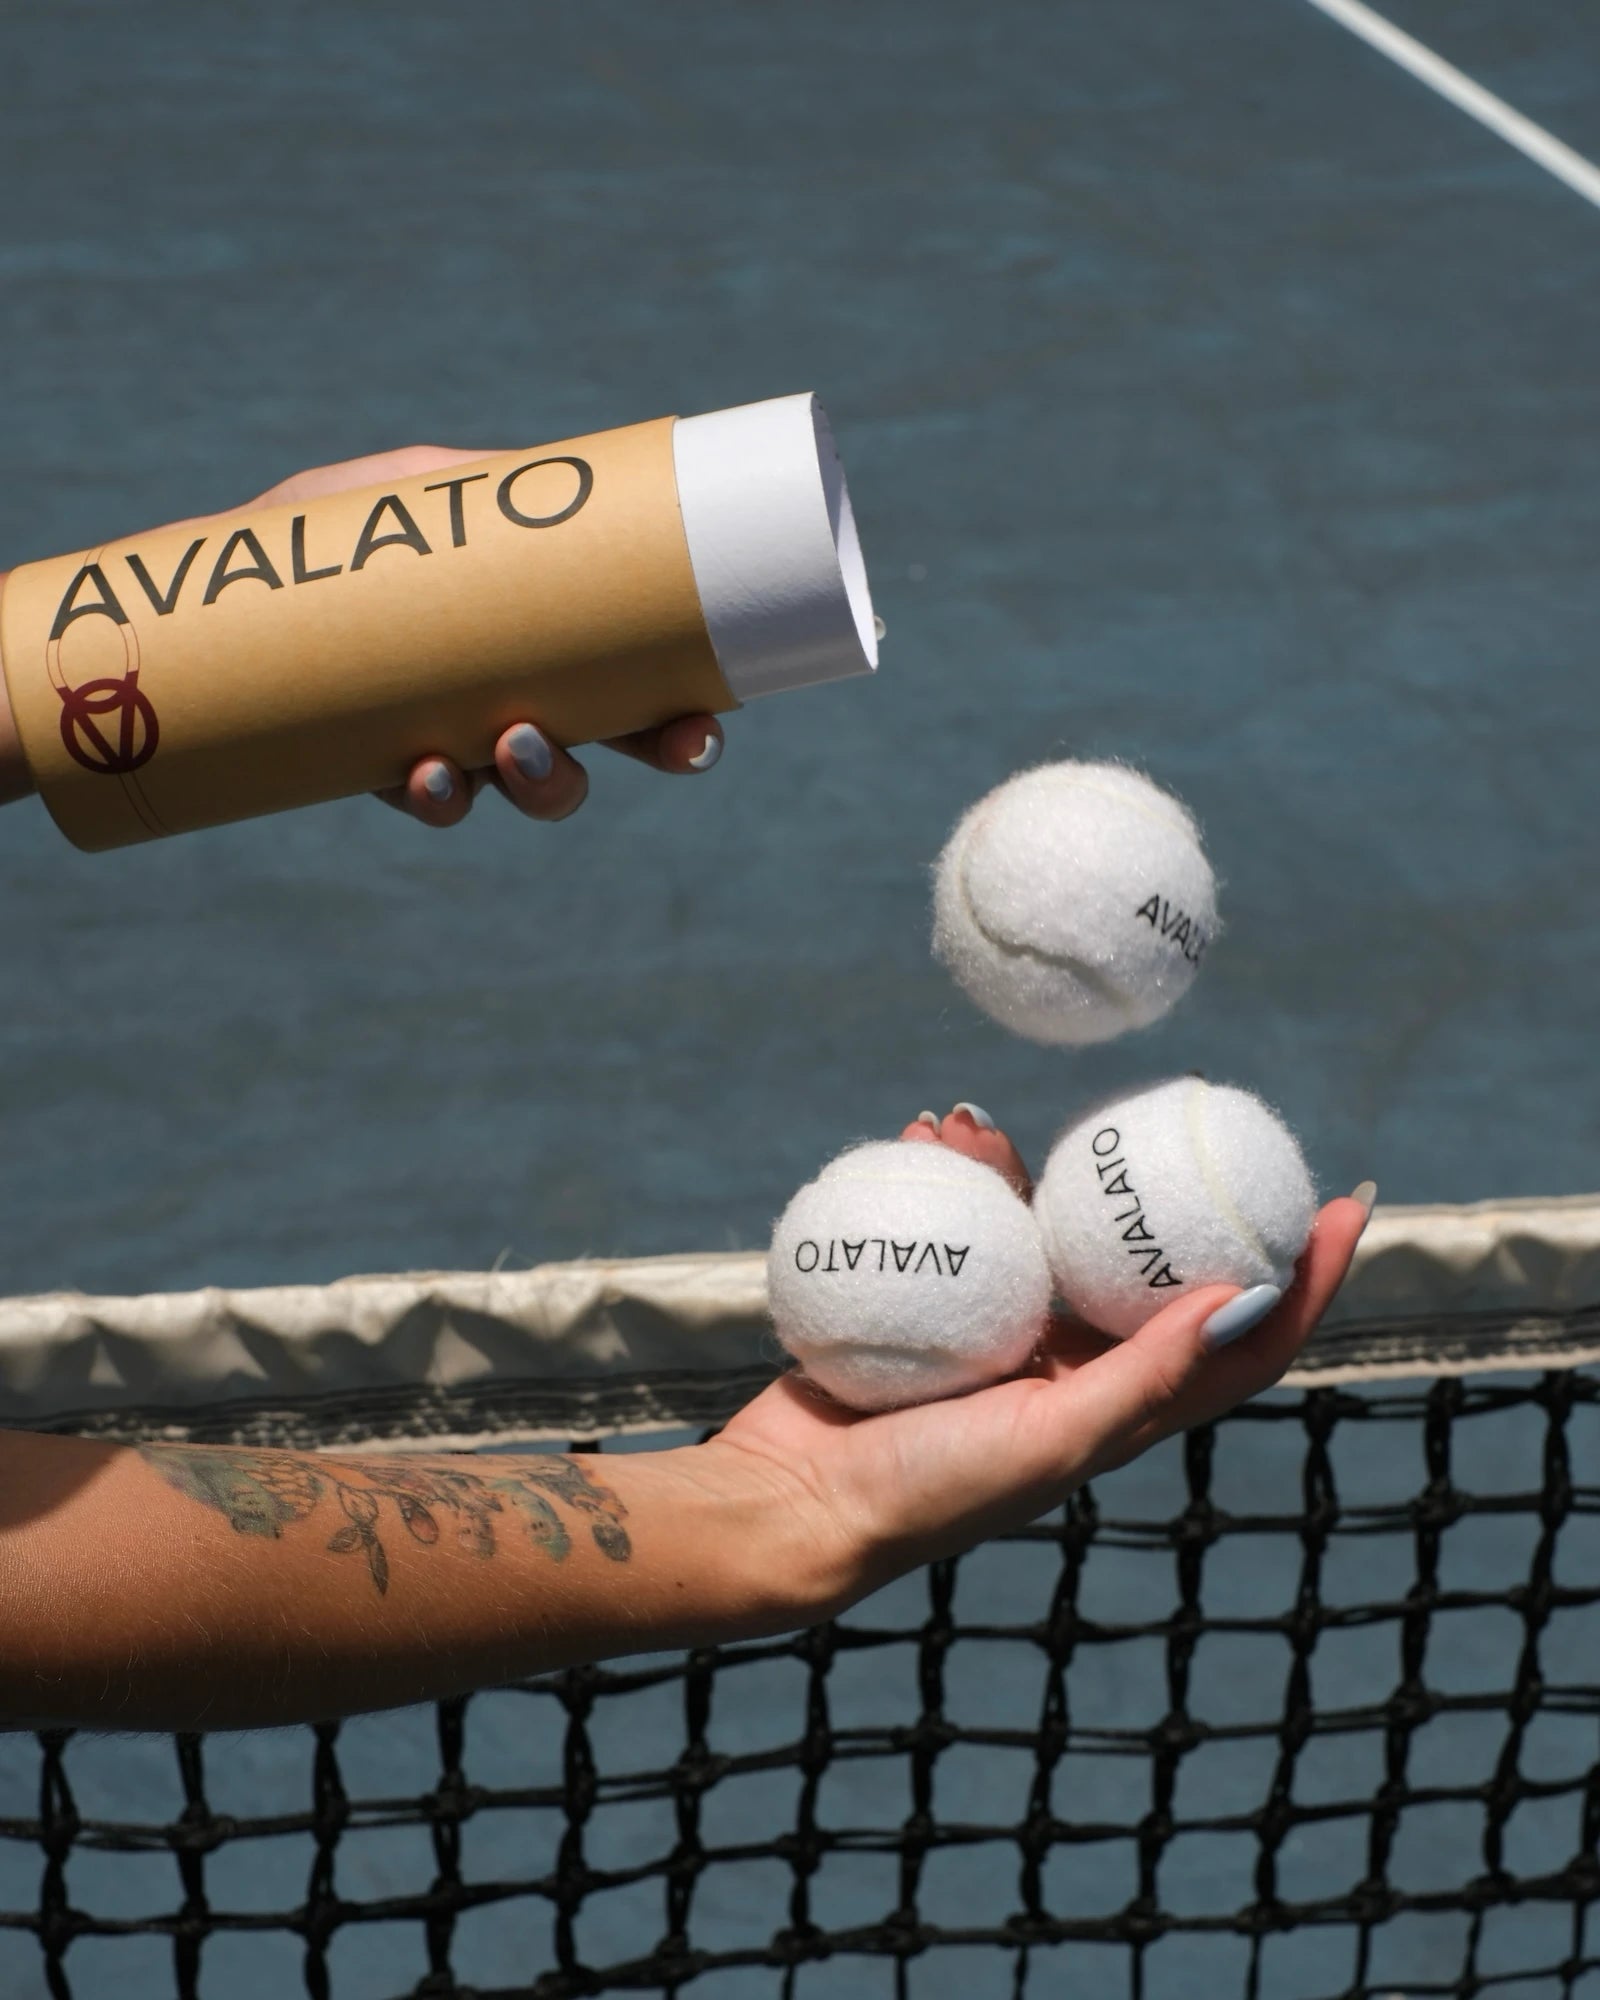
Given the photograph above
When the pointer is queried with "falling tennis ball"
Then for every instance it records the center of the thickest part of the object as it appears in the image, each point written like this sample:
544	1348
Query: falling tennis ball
1074	902
1178	1184
906	1272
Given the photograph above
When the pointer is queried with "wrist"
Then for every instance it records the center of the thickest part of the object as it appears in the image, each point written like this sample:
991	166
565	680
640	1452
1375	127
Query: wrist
805	1552
728	1545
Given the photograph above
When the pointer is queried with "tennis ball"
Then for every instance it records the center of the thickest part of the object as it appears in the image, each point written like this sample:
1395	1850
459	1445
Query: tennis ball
905	1272
1074	903
1179	1184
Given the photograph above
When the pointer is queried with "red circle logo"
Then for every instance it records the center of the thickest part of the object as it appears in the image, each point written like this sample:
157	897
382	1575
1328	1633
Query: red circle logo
125	743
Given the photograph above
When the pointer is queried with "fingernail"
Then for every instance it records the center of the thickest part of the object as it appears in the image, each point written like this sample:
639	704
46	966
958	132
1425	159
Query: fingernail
1239	1315
1366	1192
709	755
531	752
977	1114
927	1118
437	783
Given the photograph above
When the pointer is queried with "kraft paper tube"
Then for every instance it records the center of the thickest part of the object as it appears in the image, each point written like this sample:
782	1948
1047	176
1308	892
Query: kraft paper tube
285	655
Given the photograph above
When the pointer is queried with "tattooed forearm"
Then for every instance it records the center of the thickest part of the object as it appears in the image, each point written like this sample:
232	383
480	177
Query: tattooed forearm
262	1492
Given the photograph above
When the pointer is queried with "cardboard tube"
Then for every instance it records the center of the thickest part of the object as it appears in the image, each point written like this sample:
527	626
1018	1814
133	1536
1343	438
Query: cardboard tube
286	655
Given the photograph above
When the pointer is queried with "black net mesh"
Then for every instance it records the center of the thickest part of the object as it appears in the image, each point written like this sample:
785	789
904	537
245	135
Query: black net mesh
1303	1705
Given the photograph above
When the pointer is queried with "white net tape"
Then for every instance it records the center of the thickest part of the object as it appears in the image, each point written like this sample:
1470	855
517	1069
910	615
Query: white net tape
574	1349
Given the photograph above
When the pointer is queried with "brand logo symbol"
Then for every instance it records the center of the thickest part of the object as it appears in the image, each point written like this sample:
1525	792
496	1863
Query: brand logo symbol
129	738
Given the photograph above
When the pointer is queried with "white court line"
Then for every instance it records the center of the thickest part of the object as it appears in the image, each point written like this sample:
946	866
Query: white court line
1581	175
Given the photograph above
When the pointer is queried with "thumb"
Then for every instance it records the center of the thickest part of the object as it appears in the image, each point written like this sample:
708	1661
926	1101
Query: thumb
1172	1373
1156	1382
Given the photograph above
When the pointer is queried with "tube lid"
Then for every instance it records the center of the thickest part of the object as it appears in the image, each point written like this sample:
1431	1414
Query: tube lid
773	544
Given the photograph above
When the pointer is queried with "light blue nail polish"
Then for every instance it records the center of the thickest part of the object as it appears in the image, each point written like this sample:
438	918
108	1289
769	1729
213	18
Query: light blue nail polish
1239	1315
437	783
978	1115
709	755
531	752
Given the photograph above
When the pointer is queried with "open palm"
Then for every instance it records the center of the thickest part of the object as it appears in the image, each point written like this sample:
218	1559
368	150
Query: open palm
911	1485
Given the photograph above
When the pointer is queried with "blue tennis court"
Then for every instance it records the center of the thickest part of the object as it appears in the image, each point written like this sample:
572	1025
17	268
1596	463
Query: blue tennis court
1215	394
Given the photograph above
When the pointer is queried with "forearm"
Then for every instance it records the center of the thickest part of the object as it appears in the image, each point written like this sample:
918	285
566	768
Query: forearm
16	781
183	1587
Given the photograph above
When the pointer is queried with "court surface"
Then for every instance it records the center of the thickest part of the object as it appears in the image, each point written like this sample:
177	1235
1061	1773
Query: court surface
1214	396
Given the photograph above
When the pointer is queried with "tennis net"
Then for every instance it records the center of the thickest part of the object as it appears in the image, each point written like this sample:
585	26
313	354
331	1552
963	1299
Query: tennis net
1300	1705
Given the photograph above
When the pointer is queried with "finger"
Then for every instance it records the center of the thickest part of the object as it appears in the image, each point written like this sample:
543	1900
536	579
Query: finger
1170	1375
377	466
436	791
925	1128
339	478
1069	1343
691	743
969	1129
538	776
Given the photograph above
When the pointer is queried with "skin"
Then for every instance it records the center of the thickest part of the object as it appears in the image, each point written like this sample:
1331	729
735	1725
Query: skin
671	748
215	1587
185	1586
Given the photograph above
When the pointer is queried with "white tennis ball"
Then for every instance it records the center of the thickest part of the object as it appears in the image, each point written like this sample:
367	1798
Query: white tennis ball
1074	903
1179	1184
905	1272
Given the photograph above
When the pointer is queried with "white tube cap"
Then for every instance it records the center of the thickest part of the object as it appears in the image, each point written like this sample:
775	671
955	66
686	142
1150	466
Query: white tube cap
774	548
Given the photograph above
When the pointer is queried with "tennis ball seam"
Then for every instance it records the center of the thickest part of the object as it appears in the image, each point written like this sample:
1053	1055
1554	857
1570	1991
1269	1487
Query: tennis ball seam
1133	800
1211	1175
1058	961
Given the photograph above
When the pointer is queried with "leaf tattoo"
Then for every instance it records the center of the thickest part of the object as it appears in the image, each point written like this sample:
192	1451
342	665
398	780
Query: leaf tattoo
417	1518
262	1492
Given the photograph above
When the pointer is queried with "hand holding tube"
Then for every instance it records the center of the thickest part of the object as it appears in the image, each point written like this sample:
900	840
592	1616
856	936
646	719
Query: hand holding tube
404	615
540	778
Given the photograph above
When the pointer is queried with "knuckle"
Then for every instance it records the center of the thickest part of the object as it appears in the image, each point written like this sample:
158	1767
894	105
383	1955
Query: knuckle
412	455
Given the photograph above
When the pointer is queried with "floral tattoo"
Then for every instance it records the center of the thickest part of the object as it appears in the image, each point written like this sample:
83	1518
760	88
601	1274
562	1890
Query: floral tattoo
261	1492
